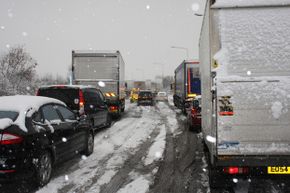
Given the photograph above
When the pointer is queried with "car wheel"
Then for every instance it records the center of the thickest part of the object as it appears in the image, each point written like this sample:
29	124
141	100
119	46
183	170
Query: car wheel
43	169
90	144
109	120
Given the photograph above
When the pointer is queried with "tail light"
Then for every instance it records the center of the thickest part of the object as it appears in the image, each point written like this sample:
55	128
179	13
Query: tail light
236	170
81	102
10	139
113	108
37	93
7	171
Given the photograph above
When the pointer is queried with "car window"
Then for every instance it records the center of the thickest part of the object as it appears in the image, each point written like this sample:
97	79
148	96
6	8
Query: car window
100	100
145	94
9	114
49	113
161	94
65	113
90	95
101	95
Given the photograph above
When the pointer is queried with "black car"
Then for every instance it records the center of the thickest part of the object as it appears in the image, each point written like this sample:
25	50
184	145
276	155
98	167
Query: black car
36	133
145	97
83	100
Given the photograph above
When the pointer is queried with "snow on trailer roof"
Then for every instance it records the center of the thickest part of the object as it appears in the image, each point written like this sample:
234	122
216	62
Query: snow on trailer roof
23	105
249	3
96	52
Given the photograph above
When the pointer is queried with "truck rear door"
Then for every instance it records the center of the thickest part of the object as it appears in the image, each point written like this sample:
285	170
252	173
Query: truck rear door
253	117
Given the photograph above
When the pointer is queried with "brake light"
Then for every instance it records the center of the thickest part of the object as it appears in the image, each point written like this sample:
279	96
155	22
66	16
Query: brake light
81	102
9	139
112	108
7	171
37	93
236	170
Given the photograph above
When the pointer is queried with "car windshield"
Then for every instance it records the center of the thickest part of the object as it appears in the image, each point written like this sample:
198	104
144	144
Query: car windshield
9	114
161	94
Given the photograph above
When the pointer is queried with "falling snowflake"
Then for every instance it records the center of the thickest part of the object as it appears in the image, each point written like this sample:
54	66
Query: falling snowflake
7	46
47	38
235	180
84	157
28	88
195	7
24	34
66	178
2	27
147	7
249	73
64	139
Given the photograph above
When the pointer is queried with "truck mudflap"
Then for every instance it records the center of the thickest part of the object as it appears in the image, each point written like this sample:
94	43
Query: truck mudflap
253	116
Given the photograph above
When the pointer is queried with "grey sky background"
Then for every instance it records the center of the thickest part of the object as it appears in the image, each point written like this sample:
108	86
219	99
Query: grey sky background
143	30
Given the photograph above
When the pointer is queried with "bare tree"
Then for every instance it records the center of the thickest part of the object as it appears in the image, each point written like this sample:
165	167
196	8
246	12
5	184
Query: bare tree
17	72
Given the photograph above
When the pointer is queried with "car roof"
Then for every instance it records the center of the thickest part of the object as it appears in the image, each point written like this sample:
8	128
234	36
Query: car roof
25	106
67	86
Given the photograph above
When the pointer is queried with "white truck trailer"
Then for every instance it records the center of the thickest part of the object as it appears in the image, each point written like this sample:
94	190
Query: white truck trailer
105	70
245	84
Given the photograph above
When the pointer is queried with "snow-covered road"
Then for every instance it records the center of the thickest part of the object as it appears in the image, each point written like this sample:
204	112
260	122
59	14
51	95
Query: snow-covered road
148	150
123	157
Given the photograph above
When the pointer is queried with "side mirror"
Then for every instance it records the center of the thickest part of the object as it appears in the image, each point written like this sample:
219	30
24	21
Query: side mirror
82	118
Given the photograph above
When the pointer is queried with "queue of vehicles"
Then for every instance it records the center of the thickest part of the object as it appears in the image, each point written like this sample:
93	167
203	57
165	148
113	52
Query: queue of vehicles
40	131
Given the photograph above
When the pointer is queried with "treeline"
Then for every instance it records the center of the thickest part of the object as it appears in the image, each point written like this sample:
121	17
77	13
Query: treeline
18	73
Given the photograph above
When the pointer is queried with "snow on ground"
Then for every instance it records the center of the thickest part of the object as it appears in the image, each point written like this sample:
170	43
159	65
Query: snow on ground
114	146
170	116
140	185
157	149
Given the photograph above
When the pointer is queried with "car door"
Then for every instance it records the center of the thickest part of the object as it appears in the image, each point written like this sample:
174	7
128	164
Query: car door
102	107
77	141
91	107
60	135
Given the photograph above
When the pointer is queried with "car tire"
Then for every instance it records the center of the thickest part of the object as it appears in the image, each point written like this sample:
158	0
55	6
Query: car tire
90	144
43	168
109	120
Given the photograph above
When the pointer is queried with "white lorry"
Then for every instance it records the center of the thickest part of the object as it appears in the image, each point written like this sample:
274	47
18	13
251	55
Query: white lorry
105	70
245	82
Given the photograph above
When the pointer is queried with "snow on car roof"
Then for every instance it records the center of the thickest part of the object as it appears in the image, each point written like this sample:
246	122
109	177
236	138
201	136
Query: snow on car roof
249	3
68	86
24	105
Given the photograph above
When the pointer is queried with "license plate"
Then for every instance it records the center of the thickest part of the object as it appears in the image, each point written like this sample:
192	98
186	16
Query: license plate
278	170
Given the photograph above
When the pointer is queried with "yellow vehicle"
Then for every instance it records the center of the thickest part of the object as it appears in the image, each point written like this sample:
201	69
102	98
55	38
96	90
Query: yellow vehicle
134	95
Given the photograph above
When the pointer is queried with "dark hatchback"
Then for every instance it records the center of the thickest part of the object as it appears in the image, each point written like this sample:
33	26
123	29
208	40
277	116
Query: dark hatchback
145	97
36	133
83	100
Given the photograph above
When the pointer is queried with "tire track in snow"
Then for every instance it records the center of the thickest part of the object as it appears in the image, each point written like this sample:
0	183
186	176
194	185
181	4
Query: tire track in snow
101	171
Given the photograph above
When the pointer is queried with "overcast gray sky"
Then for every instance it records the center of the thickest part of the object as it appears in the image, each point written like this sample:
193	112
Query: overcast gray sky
143	30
